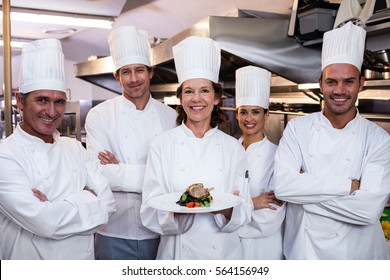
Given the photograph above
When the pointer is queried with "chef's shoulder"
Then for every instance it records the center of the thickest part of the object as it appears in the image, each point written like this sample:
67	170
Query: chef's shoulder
163	109
377	136
71	144
9	145
109	104
230	141
302	124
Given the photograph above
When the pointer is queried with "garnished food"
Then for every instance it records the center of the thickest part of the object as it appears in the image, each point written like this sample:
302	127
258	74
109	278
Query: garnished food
196	195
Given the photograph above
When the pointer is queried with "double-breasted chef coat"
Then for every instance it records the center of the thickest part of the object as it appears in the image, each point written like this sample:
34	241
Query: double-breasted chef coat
64	226
262	238
118	127
314	166
178	159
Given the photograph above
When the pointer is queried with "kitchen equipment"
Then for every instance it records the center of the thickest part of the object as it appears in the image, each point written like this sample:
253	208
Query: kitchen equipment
372	74
315	19
383	56
376	64
348	10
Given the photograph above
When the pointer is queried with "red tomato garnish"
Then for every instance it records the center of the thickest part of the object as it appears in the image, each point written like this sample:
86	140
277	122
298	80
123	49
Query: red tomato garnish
190	204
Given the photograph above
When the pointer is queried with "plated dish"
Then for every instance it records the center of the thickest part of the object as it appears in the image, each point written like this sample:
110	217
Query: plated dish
167	202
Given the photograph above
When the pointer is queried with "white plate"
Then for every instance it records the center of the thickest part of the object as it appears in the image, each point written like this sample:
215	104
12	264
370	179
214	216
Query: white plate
167	202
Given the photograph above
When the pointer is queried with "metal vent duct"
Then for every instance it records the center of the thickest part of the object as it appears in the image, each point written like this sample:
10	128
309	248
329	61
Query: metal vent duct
243	40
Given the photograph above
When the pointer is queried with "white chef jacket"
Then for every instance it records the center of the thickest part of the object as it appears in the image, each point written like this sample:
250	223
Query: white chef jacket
314	166
63	227
118	127
178	159
262	238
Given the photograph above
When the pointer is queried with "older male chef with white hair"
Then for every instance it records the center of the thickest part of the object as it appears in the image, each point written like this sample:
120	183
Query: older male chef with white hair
52	194
333	167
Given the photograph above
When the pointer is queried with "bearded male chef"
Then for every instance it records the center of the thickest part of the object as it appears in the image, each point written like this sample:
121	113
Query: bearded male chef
52	194
333	167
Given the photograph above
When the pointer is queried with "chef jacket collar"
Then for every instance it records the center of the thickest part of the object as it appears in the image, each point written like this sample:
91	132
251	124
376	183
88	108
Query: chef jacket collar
324	120
31	139
131	105
188	132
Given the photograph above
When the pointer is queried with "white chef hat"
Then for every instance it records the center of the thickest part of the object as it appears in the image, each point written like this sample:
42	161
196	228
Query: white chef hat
129	45
252	87
344	45
42	66
197	57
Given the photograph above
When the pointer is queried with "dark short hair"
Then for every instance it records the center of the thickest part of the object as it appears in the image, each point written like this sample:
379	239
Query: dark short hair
217	116
149	68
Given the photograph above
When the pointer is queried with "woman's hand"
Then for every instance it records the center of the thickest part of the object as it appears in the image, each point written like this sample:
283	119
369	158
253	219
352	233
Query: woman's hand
265	200
107	158
40	195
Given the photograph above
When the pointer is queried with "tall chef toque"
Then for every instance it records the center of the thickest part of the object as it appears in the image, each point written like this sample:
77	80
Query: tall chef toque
197	57
129	45
42	66
344	45
252	87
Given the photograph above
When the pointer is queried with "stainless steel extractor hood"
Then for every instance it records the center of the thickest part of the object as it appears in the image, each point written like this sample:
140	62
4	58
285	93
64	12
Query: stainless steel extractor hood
245	39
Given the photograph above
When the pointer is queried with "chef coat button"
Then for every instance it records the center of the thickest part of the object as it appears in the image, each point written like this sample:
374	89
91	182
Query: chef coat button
46	177
136	198
217	143
220	170
184	246
317	128
310	155
182	169
337	233
181	143
353	132
348	159
214	246
126	136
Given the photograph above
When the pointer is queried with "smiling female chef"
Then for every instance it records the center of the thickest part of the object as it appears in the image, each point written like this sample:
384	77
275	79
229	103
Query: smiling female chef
262	238
197	152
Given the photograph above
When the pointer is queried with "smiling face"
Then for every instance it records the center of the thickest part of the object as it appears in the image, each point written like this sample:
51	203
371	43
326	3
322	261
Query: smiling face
42	112
198	99
251	120
340	85
135	81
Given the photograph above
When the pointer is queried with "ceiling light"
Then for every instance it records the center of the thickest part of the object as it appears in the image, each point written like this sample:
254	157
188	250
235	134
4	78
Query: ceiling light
34	16
59	30
15	43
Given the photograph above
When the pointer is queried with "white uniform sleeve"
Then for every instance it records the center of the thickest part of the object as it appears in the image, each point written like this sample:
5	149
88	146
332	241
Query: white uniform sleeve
161	222
242	212
292	185
121	177
78	213
366	204
266	222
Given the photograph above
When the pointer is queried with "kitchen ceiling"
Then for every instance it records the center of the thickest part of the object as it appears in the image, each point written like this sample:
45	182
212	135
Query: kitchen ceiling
161	18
